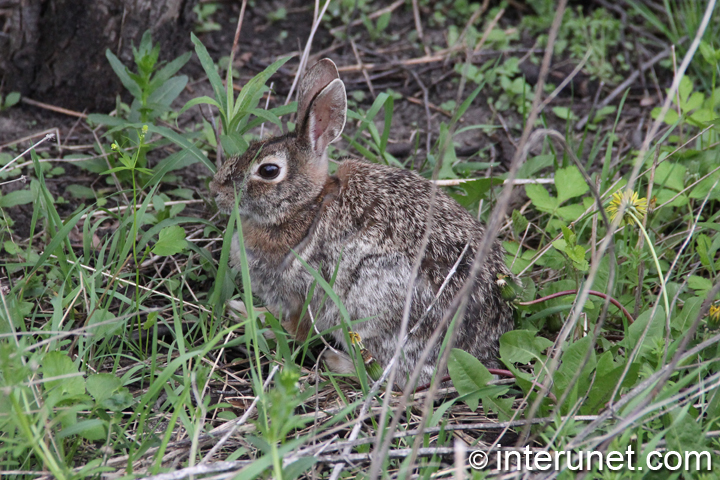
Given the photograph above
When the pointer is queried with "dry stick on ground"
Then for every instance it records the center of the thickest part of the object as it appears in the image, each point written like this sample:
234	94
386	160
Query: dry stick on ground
53	108
418	26
364	72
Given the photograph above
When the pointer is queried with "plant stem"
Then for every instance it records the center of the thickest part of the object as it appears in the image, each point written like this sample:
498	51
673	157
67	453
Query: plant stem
657	263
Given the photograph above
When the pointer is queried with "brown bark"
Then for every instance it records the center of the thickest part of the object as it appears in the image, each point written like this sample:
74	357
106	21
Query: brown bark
54	50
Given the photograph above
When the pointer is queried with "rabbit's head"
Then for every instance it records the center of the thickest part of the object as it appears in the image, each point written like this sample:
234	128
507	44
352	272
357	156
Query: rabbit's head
275	178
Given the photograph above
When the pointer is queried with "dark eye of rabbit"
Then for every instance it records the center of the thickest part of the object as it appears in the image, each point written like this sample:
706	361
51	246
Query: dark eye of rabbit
269	171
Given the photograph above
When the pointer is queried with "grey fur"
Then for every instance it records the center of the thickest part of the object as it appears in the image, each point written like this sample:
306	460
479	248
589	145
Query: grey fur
370	219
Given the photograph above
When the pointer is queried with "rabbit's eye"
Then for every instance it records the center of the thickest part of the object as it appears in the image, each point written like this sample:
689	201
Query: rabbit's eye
269	171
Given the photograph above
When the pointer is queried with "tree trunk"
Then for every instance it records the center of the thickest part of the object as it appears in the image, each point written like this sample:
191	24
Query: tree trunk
54	50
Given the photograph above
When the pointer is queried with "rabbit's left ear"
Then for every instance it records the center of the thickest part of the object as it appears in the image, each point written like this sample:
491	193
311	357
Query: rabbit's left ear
326	117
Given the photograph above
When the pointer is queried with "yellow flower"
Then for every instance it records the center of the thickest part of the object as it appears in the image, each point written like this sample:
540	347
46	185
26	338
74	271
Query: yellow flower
632	202
115	147
714	314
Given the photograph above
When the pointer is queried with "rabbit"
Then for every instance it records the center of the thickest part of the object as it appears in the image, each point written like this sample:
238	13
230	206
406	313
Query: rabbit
367	221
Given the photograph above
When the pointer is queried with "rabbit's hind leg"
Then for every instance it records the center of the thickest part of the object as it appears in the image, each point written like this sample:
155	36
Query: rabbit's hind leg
338	362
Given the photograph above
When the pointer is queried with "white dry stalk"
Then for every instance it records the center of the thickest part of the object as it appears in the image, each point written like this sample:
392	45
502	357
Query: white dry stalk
49	136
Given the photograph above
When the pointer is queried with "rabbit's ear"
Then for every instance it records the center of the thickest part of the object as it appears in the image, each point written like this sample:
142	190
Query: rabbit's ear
315	79
326	118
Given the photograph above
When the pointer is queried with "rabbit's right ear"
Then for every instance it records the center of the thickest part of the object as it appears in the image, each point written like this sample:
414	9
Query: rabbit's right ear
315	79
325	119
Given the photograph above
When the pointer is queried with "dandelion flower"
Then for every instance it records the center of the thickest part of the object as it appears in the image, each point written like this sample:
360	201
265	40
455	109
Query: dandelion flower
714	314
632	204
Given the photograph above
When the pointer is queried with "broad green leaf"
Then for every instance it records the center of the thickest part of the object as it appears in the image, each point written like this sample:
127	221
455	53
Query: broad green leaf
502	407
570	183
468	374
570	213
681	322
56	364
11	99
80	191
701	285
522	346
670	175
572	359
541	198
102	385
94	430
18	197
109	324
654	333
170	241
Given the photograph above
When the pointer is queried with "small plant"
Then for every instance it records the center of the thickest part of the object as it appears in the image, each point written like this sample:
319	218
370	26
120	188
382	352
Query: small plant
204	12
10	100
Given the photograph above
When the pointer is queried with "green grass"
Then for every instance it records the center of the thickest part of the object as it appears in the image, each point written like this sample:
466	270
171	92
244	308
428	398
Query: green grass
119	353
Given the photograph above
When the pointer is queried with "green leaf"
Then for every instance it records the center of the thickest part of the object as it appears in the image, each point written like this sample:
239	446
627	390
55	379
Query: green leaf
56	364
183	142
18	197
101	386
467	372
233	144
168	91
541	198
569	183
570	213
11	99
169	70
475	191
654	333
123	74
521	346
687	316
248	98
171	240
572	359
93	430
80	191
209	67
670	175
501	406
109	324
202	100
701	285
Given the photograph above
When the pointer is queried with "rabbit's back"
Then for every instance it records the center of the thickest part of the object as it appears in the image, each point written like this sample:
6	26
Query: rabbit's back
368	236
